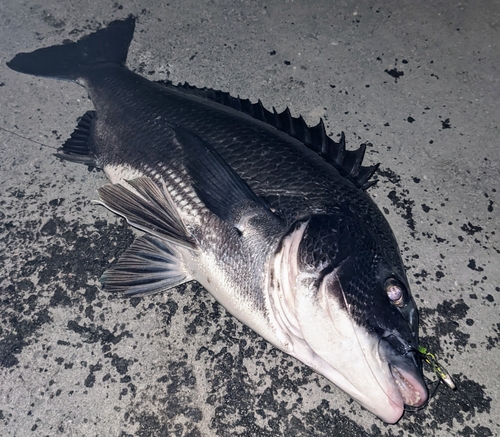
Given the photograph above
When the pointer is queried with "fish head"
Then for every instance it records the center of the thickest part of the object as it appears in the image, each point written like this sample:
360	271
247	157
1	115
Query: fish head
357	319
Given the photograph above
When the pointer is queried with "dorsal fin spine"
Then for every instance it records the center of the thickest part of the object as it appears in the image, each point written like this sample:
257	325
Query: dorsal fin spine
359	155
322	141
288	121
261	111
277	120
339	159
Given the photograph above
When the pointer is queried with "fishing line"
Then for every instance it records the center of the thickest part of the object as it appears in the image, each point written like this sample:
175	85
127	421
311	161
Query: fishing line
28	139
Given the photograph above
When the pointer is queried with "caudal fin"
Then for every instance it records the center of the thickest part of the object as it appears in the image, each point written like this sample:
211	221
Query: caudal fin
68	61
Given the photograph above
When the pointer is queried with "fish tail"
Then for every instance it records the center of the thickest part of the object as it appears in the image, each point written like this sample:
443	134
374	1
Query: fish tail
69	61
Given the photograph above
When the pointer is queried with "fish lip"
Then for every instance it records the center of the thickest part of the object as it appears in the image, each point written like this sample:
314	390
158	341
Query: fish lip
408	388
411	389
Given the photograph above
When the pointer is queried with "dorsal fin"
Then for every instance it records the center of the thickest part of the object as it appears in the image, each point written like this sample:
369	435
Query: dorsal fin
347	162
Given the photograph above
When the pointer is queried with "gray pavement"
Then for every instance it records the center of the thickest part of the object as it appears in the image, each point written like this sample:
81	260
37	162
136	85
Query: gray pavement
419	81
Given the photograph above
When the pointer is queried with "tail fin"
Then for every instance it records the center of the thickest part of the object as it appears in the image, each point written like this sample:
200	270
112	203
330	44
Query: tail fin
68	61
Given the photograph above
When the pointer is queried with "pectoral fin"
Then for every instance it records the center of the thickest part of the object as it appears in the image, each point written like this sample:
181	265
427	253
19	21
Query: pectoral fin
218	186
149	265
147	207
154	262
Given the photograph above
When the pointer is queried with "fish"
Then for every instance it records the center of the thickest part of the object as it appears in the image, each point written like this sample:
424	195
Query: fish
270	215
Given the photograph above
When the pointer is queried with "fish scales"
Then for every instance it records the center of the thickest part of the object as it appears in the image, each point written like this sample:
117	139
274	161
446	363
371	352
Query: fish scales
254	149
275	224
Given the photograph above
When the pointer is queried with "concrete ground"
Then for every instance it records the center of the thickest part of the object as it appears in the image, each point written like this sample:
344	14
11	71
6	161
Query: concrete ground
419	81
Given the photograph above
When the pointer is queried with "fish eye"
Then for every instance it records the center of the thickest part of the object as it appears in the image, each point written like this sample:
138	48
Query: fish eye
395	292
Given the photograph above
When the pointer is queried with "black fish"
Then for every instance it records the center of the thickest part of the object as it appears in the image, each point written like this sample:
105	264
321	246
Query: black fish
269	215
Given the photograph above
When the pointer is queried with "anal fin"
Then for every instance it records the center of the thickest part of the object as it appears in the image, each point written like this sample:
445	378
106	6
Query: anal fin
79	146
149	265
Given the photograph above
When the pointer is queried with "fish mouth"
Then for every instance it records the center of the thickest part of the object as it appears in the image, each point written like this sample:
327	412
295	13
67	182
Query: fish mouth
412	389
406	388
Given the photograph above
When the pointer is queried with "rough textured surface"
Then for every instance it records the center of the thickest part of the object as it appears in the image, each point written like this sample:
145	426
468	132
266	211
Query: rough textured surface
419	81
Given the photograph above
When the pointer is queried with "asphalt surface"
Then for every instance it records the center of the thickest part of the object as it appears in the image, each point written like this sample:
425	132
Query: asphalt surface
419	81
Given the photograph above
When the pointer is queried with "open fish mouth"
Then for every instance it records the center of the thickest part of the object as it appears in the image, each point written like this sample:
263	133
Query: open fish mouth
404	383
411	389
